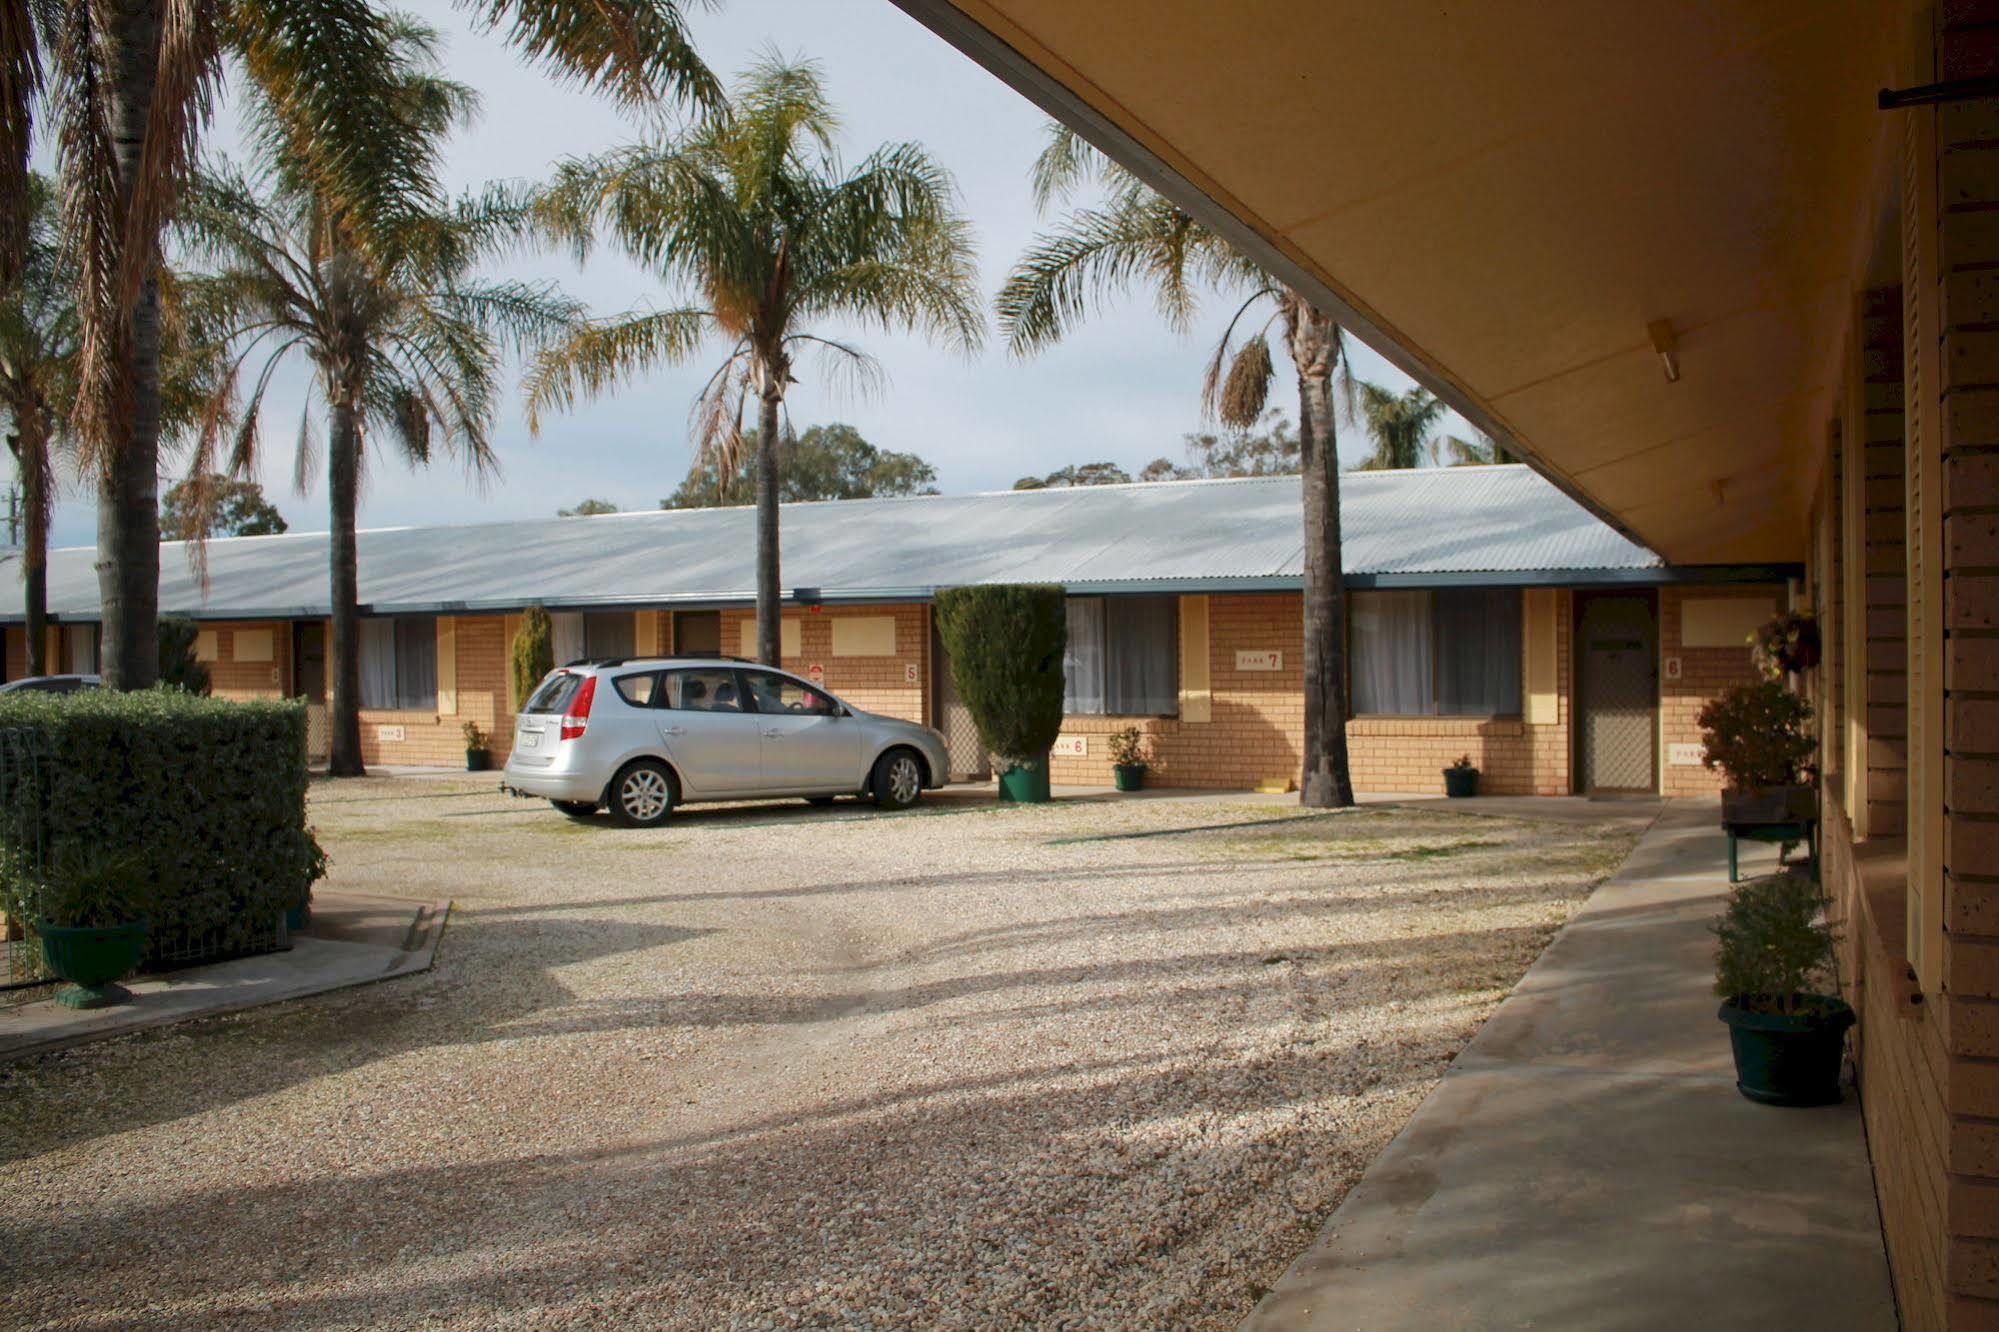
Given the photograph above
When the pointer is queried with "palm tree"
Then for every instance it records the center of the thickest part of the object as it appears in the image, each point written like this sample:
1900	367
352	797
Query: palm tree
38	346
1481	450
753	210
130	86
1402	426
1133	236
402	341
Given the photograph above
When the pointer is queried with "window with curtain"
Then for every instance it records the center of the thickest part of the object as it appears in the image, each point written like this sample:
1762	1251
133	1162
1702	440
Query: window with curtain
79	643
565	636
399	663
1454	652
609	634
1123	658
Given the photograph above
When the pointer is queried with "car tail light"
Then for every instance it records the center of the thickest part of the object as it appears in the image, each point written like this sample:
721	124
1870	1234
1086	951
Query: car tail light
576	718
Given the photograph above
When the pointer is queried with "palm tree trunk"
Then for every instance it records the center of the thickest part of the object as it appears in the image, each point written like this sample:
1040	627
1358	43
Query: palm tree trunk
344	484
128	515
31	456
770	643
1326	783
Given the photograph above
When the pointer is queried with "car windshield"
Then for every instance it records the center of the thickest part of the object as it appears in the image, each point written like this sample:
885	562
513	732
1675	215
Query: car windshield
554	694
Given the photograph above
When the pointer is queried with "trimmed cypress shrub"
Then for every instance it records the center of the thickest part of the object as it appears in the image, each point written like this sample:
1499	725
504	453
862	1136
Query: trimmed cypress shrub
180	668
1006	643
199	801
533	653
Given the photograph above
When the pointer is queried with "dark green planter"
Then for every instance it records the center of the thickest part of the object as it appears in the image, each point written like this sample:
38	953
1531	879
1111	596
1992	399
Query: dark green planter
478	760
1789	1058
1460	782
91	958
1025	784
1128	776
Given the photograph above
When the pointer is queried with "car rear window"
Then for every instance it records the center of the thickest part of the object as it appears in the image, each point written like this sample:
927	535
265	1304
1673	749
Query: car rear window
555	693
638	690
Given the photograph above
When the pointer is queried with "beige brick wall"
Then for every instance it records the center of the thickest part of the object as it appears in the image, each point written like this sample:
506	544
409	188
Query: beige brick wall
895	685
1705	673
1258	721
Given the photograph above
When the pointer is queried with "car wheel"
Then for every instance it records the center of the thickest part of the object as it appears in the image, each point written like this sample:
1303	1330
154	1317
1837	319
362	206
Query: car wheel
897	782
576	809
821	801
642	794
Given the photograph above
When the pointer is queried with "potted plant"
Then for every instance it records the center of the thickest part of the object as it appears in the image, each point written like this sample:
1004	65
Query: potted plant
1772	950
477	757
1759	736
87	912
1461	778
1128	761
1790	642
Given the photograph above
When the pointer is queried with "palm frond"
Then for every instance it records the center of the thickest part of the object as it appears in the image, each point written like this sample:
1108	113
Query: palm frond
602	354
637	51
20	85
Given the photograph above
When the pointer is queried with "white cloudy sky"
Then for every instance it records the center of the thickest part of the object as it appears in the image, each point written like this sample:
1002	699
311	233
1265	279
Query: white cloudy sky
1125	388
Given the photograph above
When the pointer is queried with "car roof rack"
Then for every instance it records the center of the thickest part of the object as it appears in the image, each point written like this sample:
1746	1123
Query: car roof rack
658	656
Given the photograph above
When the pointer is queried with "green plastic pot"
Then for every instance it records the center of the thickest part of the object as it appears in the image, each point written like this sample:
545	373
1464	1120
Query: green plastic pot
1025	783
478	760
1128	776
1460	782
91	958
1789	1058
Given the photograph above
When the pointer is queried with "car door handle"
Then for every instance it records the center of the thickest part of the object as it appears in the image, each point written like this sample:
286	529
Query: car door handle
673	730
773	735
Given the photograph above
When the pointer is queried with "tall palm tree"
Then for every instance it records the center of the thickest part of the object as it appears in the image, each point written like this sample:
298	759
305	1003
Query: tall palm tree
38	347
403	342
1130	237
130	84
1403	426
753	210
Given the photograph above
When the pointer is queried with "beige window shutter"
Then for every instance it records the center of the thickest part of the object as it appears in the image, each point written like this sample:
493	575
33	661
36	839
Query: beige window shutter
1853	581
1922	386
1539	665
1197	700
645	633
447	665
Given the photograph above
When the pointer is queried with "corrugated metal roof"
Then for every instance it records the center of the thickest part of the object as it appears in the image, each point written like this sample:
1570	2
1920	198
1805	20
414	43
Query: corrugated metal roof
1180	535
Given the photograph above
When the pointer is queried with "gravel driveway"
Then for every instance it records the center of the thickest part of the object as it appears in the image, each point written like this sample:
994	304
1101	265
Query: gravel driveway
1092	1064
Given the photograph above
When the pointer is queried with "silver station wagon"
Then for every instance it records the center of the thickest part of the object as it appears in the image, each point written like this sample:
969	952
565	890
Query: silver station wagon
637	736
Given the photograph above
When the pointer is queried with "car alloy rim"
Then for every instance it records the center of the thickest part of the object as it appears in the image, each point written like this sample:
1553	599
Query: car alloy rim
644	796
903	780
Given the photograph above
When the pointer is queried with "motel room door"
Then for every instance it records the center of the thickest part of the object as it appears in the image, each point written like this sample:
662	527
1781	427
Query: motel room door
1617	693
969	761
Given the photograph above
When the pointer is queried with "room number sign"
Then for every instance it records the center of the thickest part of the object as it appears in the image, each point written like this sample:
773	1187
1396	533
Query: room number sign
1266	660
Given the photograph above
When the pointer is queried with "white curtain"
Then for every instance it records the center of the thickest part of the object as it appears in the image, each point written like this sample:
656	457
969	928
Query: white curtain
1141	656
609	634
568	636
1083	659
1391	653
1478	652
416	664
80	643
378	663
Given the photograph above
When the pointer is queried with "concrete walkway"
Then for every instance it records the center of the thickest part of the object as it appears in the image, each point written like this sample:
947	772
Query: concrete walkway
1588	1163
354	938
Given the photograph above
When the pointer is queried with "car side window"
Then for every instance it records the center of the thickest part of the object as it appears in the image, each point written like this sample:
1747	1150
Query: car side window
781	693
699	691
638	690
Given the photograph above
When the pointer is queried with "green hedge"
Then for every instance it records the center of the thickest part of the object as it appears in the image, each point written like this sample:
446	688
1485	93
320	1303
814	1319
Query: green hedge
1006	643
201	800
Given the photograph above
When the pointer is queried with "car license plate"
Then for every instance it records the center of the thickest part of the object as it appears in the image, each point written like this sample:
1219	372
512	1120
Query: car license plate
530	739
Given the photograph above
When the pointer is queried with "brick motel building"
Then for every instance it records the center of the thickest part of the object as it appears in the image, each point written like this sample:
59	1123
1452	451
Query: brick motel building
1490	615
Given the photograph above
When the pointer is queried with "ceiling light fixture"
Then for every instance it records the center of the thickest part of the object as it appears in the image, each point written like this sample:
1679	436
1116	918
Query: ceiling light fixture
1668	347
